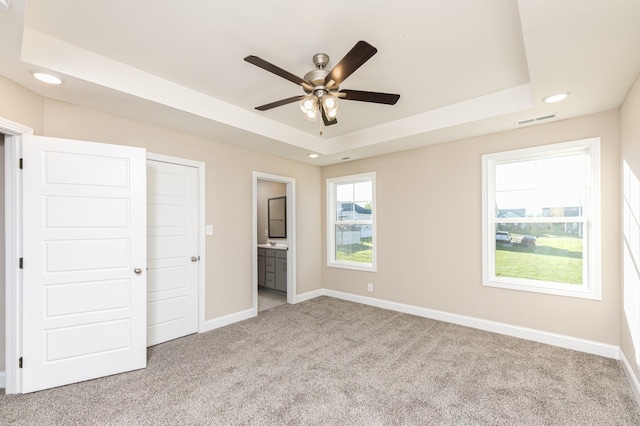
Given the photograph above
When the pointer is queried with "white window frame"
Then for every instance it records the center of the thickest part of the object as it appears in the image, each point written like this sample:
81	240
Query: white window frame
332	184
591	286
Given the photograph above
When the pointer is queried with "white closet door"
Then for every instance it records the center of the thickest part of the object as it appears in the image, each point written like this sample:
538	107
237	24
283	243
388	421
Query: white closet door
172	235
84	249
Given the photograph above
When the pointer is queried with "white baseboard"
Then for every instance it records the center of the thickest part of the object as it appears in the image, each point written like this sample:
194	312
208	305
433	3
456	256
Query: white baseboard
227	320
250	313
3	380
568	342
633	379
560	340
308	295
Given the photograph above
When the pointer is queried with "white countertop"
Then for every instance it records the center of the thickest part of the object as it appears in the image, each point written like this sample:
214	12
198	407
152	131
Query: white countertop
275	247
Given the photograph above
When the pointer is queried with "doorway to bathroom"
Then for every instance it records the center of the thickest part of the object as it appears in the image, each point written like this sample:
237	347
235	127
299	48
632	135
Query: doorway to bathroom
273	241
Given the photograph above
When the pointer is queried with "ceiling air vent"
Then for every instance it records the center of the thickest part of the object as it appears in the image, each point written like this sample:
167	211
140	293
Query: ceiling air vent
535	119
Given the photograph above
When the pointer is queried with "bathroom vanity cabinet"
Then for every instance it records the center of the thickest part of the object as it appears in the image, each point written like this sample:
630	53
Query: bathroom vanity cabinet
272	268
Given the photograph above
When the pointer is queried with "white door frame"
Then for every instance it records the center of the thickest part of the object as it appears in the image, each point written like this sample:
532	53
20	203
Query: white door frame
291	235
13	247
201	227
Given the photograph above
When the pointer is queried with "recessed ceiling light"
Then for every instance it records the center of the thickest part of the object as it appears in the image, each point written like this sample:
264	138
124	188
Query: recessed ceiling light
555	98
47	78
313	155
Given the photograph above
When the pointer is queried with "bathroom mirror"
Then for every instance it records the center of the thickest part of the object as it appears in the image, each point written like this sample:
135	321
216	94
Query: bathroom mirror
277	212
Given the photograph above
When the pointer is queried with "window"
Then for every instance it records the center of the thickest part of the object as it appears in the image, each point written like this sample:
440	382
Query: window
541	210
351	229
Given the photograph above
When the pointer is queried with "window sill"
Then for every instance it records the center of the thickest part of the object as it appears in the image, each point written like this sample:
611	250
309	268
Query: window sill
352	265
568	290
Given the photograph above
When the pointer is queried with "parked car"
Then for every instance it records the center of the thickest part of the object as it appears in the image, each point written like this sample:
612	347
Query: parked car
528	241
503	237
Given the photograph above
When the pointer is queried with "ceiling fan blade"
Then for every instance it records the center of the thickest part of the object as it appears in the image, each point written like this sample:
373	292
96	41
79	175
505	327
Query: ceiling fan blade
358	55
259	62
279	103
375	97
326	120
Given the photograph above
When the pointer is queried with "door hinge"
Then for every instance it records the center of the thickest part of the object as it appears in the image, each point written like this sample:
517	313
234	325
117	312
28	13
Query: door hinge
20	165
21	263
20	362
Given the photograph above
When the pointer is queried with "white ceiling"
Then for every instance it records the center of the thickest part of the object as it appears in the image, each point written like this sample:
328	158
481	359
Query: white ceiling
462	67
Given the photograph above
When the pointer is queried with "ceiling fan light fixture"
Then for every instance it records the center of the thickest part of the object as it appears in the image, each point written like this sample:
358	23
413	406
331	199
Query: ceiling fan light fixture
309	106
311	115
330	101
330	104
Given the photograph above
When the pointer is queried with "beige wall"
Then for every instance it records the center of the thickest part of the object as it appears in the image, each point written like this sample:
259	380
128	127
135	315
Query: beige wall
229	251
21	105
630	153
228	197
267	189
429	233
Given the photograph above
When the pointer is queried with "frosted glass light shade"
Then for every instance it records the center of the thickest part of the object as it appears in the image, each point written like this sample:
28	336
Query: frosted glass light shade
330	105
309	106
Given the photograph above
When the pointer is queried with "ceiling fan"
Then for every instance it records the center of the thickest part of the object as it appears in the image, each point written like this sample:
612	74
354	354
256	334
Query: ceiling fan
322	86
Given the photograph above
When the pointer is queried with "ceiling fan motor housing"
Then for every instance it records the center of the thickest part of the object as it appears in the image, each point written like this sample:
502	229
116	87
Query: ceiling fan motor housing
316	77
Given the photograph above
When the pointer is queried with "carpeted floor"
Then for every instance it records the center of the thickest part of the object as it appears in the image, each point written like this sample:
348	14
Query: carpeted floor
332	362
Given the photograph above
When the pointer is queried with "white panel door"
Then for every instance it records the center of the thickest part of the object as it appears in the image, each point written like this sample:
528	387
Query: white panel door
84	234
172	251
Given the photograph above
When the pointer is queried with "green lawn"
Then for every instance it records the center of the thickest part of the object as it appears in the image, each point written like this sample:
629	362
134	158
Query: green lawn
361	253
556	258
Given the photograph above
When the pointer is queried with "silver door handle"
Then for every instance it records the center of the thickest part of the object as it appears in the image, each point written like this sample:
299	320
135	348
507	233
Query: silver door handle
195	258
137	271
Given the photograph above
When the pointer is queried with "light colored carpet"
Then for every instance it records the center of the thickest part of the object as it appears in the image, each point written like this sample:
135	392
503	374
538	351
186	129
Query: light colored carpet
332	362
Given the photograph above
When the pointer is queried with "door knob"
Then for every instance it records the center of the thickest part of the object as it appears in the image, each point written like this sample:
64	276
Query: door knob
137	271
195	258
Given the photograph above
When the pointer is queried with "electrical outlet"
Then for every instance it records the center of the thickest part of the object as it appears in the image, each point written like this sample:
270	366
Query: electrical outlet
370	288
